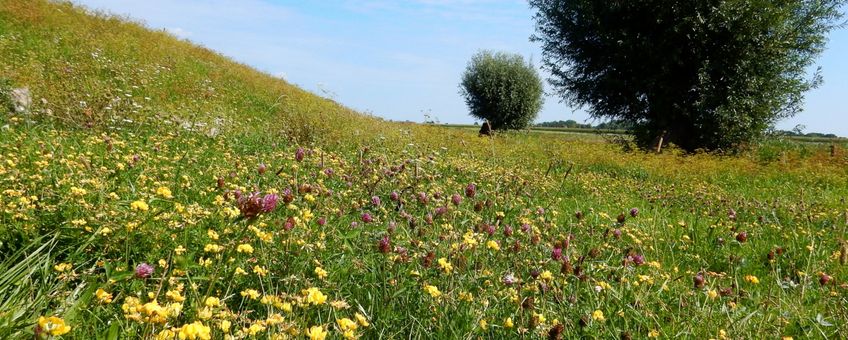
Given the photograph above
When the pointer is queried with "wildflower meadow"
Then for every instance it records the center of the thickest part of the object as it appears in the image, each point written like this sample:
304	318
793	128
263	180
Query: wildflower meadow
155	189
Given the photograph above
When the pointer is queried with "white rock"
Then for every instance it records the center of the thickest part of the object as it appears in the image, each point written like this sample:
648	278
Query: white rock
21	100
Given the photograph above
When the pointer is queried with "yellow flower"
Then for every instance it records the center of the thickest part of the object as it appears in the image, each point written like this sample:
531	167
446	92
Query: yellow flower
316	333
78	191
212	302
251	293
484	325
314	296
508	323
245	248
174	296
255	329
466	296
346	324
493	245
164	192
261	271
598	315
320	272
712	293
654	333
752	279
103	296
166	334
468	239
445	265
53	325
540	317
546	275
139	205
361	320
225	326
432	290
63	267
194	330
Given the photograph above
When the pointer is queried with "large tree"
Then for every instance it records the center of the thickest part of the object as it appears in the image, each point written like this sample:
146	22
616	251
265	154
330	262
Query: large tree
710	74
503	89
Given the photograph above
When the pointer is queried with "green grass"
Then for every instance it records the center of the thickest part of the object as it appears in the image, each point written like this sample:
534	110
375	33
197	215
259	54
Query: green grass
73	229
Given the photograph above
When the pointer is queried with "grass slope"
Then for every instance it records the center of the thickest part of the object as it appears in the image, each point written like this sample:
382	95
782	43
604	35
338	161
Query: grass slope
142	143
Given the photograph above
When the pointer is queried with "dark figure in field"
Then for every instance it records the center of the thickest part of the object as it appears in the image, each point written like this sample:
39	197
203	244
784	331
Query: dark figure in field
486	128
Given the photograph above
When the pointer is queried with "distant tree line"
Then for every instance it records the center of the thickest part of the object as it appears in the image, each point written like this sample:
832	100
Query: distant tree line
609	125
623	125
801	134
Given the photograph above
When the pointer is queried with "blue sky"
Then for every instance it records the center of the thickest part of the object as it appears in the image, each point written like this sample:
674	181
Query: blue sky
402	59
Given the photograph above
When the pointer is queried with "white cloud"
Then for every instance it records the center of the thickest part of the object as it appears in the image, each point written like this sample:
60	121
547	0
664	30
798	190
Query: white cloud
179	32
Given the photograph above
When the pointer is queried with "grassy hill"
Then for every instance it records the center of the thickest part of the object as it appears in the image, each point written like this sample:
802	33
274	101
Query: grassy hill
157	189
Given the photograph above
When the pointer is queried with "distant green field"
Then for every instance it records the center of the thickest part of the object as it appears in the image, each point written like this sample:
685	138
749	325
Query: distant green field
155	189
837	140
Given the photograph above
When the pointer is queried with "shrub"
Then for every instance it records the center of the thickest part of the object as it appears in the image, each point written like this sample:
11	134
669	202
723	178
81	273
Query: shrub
503	89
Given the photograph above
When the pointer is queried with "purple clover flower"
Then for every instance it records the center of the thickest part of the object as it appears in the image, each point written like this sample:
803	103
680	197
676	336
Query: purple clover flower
471	190
143	270
556	254
269	203
456	199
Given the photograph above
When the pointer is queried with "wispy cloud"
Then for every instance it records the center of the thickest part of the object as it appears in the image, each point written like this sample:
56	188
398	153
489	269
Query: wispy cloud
179	32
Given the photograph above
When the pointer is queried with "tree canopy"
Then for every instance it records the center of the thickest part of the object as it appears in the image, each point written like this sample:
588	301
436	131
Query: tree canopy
710	74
